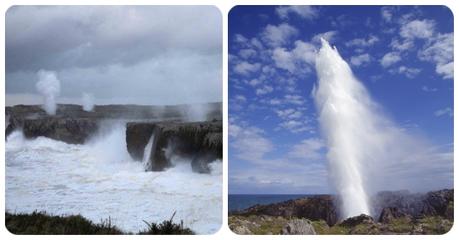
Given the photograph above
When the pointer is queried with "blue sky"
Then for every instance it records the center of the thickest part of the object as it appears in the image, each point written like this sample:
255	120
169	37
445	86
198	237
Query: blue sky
403	56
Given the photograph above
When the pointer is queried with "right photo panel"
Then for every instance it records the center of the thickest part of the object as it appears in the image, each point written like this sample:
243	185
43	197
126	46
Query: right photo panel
340	120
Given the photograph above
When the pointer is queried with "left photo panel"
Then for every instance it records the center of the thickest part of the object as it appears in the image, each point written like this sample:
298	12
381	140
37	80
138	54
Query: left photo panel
113	120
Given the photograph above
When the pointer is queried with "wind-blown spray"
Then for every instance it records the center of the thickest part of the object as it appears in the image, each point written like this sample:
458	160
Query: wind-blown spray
49	87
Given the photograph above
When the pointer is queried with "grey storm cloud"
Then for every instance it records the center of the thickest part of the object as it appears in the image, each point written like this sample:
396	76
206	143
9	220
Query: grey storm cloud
147	54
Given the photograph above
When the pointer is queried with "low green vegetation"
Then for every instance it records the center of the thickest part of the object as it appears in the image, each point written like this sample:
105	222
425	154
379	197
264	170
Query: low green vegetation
38	223
262	224
167	227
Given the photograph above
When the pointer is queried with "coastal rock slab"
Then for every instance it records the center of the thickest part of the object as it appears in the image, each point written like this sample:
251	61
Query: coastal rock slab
298	227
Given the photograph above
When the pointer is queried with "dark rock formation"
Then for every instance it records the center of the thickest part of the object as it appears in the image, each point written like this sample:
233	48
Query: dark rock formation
312	208
137	137
75	131
16	115
199	141
354	221
435	203
388	214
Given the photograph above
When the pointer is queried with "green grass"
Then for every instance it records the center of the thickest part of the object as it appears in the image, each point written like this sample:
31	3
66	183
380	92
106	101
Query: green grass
435	225
38	223
400	225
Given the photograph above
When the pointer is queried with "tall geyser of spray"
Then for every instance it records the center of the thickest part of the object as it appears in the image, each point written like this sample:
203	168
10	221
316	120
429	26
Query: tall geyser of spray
350	124
49	87
88	102
365	147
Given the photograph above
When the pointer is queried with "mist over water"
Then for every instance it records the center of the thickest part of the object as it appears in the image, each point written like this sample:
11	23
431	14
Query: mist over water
49	87
99	180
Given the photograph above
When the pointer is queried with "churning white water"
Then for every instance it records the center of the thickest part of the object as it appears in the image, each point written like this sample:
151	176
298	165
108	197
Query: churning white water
348	123
100	180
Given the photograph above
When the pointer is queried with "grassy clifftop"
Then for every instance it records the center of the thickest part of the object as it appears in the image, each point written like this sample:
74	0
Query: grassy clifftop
41	223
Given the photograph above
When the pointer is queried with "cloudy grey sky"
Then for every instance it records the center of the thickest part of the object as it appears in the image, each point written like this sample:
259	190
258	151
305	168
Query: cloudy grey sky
120	54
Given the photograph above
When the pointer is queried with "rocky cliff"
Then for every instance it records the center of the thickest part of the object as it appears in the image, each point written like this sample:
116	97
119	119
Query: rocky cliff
199	141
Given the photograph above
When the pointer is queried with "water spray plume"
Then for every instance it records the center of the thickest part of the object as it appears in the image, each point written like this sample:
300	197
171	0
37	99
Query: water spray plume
345	116
49	87
88	102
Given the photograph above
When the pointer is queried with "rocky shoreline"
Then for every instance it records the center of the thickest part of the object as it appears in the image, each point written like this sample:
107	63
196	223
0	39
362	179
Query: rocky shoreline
176	129
397	213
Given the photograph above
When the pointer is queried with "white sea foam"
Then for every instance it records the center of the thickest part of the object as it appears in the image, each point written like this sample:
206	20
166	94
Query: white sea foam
99	180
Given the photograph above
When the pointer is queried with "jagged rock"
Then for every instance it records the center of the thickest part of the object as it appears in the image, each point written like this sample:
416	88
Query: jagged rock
313	208
16	115
298	227
241	230
437	202
415	204
354	221
199	141
390	213
137	137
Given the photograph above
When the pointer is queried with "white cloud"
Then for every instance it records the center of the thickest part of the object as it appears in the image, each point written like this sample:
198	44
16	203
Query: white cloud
409	72
390	58
284	59
278	35
418	29
362	42
240	98
247	53
289	60
329	36
305	12
440	52
360	59
402	45
245	68
289	113
427	89
295	126
249	143
308	149
447	70
294	99
305	51
386	13
264	90
254	82
239	38
444	111
275	101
